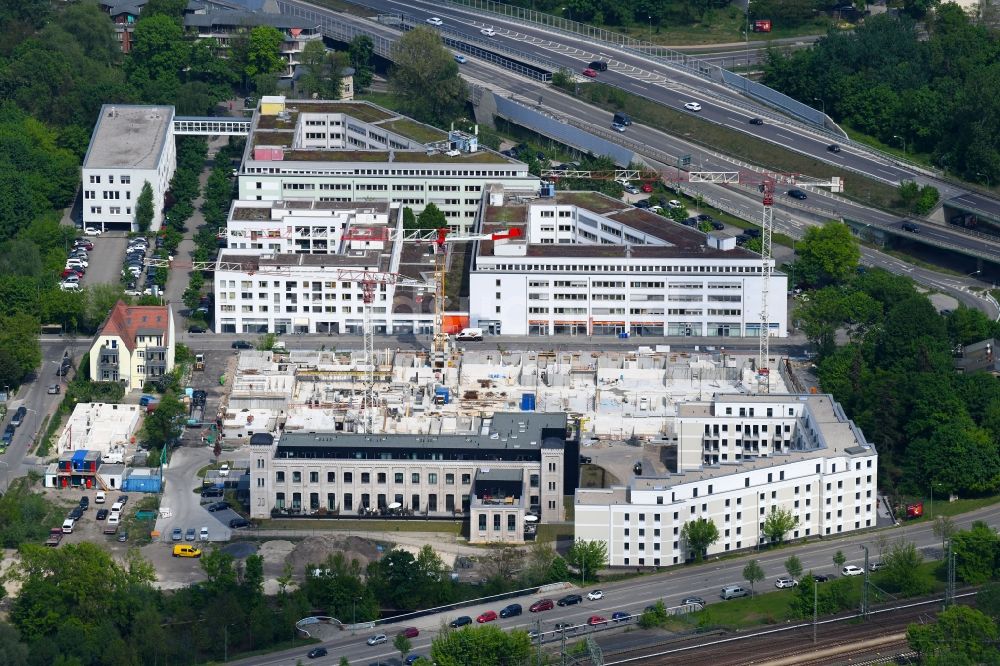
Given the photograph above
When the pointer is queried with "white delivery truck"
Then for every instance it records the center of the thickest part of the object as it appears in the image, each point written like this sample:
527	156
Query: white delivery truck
470	335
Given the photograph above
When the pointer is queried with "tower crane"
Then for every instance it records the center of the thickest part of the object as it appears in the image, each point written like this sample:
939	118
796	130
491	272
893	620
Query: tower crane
765	183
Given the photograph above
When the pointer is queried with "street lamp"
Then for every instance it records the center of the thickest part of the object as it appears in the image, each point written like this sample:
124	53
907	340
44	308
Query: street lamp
821	101
354	614
864	589
902	140
650	19
6	471
984	177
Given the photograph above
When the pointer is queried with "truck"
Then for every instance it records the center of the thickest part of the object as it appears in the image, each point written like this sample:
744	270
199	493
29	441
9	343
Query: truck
55	537
470	335
115	456
199	361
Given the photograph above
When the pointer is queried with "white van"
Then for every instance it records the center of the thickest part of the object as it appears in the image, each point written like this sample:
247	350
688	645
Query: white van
68	524
114	518
100	497
117	506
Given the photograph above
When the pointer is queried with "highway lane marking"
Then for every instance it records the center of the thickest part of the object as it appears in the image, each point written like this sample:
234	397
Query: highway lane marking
784	136
886	172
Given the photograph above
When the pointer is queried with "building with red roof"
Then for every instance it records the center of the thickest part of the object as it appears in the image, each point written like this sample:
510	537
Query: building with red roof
135	345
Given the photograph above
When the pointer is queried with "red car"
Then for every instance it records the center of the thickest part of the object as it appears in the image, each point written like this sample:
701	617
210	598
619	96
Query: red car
542	605
596	620
70	271
410	632
85	244
646	187
488	616
589	72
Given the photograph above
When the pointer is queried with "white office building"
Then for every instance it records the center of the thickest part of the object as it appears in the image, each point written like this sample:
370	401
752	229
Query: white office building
739	457
131	145
294	267
589	264
354	151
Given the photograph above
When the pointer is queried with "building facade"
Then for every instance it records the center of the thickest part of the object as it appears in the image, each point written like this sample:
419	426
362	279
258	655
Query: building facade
131	145
502	469
357	152
294	266
741	457
588	264
135	345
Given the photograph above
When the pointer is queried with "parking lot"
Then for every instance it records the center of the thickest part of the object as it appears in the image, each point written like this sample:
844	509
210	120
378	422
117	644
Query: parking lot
105	260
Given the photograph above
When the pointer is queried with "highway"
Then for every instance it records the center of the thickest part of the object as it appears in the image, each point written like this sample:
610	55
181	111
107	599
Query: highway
632	596
672	87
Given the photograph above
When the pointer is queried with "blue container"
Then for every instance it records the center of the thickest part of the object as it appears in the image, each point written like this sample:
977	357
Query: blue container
444	393
527	402
141	484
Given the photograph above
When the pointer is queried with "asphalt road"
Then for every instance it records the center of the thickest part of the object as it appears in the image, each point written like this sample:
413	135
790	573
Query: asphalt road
632	596
106	258
673	87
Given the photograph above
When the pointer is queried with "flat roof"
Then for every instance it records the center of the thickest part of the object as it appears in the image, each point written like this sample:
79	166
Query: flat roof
129	136
259	211
368	259
504	431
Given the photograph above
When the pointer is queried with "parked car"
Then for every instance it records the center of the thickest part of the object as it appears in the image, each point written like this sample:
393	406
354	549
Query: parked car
820	578
851	570
797	194
189	534
410	632
203	534
570	599
511	610
674	203
693	600
563	626
183	550
122	537
102	514
241	344
618	127
123	499
487	616
238	523
412	659
590	73
377	639
620	616
18	419
631	189
647	187
594	595
460	621
734	592
54	389
194	328
541	605
316	653
875	566
92	231
595	620
176	534
84	503
76	513
784	582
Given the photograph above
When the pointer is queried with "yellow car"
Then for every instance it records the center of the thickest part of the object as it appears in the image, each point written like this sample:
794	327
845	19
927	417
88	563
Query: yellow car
186	551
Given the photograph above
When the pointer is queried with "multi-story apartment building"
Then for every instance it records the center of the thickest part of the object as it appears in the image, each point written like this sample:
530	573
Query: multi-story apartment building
353	151
588	264
293	267
124	15
135	345
131	145
739	458
494	470
226	26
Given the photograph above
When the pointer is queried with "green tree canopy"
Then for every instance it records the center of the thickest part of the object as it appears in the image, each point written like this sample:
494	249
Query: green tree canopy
697	536
588	557
961	635
486	645
826	255
753	573
144	211
264	51
793	565
778	523
422	64
164	425
362	50
431	217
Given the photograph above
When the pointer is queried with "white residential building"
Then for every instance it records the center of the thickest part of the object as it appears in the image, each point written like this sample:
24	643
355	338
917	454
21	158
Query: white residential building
293	267
739	458
131	145
588	264
345	151
135	345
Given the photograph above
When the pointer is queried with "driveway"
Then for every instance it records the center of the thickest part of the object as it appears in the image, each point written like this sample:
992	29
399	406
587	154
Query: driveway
180	479
105	260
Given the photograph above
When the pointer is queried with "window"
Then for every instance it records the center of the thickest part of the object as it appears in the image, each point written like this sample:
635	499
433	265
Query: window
449	479
279	500
348	502
482	522
398	477
331	502
415	477
432	477
279	477
366	477
296	477
381	477
511	523
348	477
466	479
331	477
496	522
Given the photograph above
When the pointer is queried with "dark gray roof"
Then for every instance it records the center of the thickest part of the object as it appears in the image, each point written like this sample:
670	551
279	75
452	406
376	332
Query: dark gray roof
507	430
238	17
508	475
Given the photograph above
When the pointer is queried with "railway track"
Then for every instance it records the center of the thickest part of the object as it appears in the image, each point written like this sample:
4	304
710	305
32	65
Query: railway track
880	637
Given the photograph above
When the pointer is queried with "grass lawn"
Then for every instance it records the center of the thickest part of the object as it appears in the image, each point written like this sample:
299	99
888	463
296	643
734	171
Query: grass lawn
414	130
768	608
943	507
383	99
440	526
554	532
731	142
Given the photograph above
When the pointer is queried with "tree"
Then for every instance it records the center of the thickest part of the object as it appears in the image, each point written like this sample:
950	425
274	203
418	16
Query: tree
826	255
975	553
144	208
361	50
778	523
901	570
403	645
321	71
698	535
793	565
485	645
20	351
944	527
753	573
422	64
503	561
588	556
653	616
839	558
264	51
559	570
431	218
164	425
159	52
988	600
961	635
12	651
